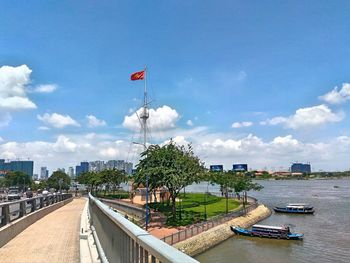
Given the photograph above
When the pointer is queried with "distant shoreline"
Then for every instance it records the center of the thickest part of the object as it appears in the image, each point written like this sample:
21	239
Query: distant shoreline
303	179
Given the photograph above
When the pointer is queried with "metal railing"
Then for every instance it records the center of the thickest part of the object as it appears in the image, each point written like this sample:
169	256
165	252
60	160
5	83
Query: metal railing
123	241
11	211
204	226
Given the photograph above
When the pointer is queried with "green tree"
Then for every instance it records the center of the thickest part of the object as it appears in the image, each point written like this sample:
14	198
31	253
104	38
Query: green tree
172	166
59	180
112	178
91	179
237	182
226	180
18	178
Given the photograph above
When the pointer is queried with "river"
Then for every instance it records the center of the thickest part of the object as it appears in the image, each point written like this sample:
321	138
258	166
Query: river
326	233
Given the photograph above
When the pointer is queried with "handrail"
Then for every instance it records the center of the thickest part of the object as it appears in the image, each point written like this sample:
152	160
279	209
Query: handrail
143	244
10	211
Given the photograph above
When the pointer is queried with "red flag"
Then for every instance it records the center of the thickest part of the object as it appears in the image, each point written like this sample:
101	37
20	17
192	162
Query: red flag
138	75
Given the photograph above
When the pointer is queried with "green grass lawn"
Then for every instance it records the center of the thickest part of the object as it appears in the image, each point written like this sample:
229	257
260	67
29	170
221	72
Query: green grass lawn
191	209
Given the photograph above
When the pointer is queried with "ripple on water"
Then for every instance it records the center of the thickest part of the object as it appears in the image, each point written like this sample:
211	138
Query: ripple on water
327	235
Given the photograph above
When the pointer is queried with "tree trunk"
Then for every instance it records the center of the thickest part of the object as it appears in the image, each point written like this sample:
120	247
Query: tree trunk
226	196
155	196
173	199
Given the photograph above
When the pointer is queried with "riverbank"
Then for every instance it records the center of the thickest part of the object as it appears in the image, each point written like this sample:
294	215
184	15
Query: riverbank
203	241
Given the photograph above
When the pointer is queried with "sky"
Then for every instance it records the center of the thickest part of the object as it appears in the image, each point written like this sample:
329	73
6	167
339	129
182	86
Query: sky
265	83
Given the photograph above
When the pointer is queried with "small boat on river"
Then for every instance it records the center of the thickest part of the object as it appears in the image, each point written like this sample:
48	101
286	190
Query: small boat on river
282	232
295	209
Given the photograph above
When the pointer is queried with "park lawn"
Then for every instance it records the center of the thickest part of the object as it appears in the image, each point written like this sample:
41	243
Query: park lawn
190	208
216	208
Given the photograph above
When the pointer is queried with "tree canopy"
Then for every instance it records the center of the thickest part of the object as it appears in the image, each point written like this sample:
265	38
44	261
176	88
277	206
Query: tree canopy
108	178
232	181
171	166
18	178
59	180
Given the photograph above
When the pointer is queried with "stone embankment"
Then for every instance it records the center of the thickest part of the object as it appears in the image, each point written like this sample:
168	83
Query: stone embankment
203	241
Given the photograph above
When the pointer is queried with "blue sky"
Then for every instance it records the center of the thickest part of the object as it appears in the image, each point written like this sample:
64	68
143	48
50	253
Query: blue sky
244	81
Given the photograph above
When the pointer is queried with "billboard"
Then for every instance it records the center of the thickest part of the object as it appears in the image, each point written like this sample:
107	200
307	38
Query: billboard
240	167
216	168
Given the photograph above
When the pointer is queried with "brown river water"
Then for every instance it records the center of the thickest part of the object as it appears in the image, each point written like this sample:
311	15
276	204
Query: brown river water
326	233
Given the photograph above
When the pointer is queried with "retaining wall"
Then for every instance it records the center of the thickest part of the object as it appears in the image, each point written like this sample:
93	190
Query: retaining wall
203	241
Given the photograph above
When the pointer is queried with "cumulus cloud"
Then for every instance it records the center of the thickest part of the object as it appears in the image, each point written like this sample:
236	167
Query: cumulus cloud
212	148
94	122
336	96
241	124
57	120
13	93
47	88
307	117
160	119
64	144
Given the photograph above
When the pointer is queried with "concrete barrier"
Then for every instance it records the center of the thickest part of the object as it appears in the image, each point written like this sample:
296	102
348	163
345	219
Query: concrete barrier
205	240
10	230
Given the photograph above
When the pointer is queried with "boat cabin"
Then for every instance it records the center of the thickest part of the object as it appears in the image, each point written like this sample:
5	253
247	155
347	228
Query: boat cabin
277	230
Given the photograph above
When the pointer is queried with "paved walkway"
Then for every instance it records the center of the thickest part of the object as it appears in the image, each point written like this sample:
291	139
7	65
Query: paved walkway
54	238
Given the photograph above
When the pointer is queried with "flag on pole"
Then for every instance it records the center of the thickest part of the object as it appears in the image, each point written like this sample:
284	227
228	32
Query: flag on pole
138	75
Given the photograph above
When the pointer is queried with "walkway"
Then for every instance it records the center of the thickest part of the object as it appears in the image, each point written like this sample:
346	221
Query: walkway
54	238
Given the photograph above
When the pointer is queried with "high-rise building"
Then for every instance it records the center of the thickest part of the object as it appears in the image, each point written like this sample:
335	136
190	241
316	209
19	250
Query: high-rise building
128	168
300	168
97	166
26	167
71	172
82	168
120	165
43	173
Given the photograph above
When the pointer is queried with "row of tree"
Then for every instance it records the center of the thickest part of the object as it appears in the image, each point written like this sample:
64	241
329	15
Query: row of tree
110	179
175	167
58	180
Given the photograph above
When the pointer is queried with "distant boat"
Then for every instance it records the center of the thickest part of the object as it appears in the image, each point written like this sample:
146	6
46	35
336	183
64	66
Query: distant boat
282	232
295	209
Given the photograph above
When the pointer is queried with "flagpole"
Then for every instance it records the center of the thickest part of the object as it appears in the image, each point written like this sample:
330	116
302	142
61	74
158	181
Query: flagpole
144	119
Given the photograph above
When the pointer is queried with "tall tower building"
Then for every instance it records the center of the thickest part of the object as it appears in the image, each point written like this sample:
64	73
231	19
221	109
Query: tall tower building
43	173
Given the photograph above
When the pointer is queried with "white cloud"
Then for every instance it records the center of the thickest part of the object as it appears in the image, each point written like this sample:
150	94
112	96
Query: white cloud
307	117
241	124
94	122
13	93
57	120
213	148
337	97
189	123
64	144
1	139
161	119
47	88
109	152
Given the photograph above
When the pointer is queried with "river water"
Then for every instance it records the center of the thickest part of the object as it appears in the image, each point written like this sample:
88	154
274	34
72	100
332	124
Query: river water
326	233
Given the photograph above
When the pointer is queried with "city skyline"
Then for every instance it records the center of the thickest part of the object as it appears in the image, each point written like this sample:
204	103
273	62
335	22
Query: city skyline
245	82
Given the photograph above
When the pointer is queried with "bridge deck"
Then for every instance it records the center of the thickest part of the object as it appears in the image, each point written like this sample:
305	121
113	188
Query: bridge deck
54	238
